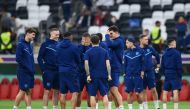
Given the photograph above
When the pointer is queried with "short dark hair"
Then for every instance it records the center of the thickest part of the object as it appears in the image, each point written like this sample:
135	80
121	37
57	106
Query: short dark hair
67	35
95	39
170	40
142	36
85	34
157	22
53	28
31	30
100	36
113	28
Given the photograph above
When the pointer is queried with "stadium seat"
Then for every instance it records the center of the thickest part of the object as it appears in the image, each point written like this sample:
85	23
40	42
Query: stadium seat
157	15
187	1
32	2
164	35
147	23
33	23
5	89
116	14
104	29
124	17
187	8
14	88
155	2
43	15
134	8
188	92
136	15
178	1
149	94
113	8
22	13
184	82
168	8
44	8
84	94
123	8
93	30
37	90
179	7
21	3
43	2
169	15
157	8
183	94
68	96
166	2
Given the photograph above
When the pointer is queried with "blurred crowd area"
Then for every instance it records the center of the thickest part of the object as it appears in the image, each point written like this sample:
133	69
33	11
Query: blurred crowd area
158	18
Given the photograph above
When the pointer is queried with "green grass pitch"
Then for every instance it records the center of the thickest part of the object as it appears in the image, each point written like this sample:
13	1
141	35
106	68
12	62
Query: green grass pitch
37	104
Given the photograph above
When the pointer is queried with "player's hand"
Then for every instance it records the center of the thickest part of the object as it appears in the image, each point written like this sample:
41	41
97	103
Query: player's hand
142	74
88	79
109	78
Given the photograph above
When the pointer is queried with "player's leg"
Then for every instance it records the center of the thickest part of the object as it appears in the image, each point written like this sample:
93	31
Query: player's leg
155	97
164	99
82	84
145	84
176	86
167	86
113	84
55	86
139	90
45	99
140	99
47	84
55	98
105	101
74	100
28	99
93	102
176	98
103	89
129	100
63	101
129	87
18	98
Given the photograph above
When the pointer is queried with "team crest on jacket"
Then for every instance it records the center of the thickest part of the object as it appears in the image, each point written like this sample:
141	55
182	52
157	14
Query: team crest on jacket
148	50
137	53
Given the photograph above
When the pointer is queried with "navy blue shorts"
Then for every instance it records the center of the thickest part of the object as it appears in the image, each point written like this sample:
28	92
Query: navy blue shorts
149	80
133	84
50	79
69	83
172	85
83	81
115	79
98	84
26	81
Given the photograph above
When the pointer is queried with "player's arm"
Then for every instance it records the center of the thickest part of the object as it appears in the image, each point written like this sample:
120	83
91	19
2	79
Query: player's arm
19	57
110	43
40	57
86	66
108	69
157	56
142	64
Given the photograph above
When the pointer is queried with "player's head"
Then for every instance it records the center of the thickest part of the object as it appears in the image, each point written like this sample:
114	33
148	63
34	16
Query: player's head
113	31
100	36
95	40
85	39
143	39
157	23
54	32
171	42
68	35
130	42
30	34
146	32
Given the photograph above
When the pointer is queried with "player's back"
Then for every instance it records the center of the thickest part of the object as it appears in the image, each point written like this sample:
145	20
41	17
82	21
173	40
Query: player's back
97	57
171	63
68	57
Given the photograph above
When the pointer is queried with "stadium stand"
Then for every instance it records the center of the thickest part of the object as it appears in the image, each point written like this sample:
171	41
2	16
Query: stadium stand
5	89
37	91
14	88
